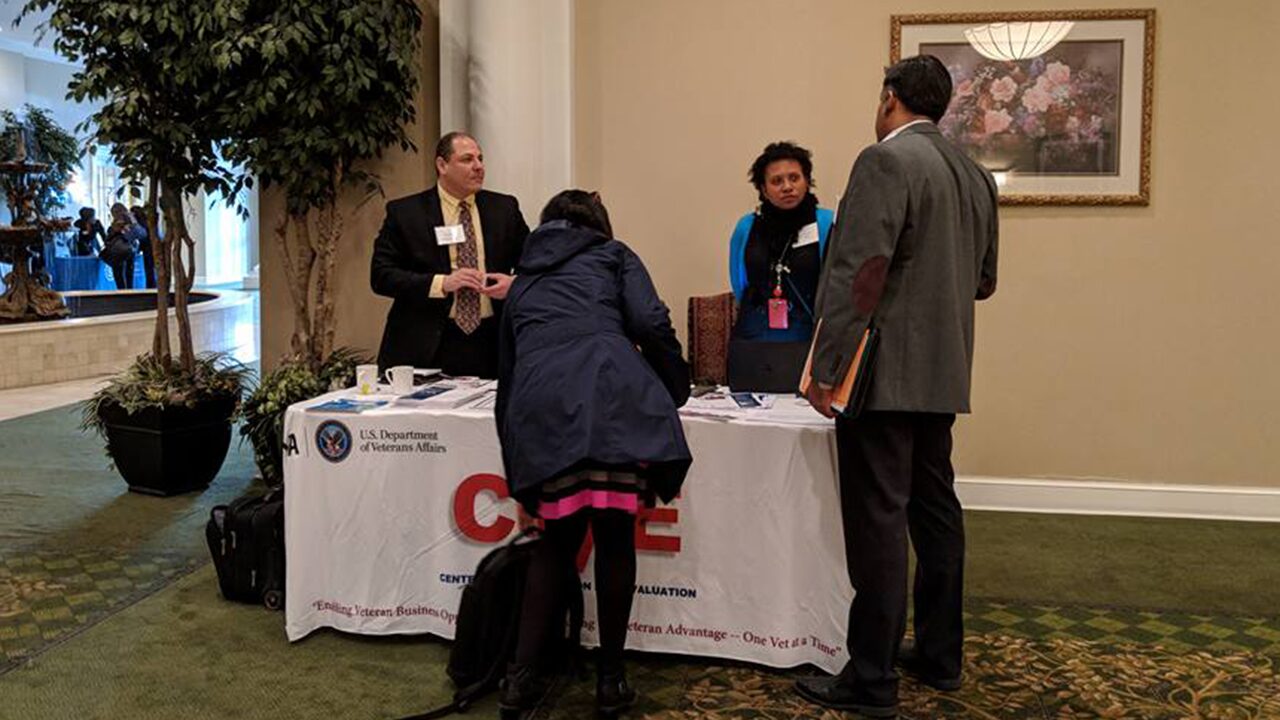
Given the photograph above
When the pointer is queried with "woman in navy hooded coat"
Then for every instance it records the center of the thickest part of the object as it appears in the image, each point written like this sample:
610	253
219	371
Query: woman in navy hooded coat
590	376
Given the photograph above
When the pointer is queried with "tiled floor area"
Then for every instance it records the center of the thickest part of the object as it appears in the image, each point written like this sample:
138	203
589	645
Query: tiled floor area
16	402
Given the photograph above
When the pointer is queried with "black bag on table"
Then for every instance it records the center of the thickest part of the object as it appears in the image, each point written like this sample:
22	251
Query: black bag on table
765	367
489	623
246	540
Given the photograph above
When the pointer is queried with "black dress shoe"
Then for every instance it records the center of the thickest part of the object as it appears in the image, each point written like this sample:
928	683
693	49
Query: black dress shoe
520	691
613	695
910	660
831	692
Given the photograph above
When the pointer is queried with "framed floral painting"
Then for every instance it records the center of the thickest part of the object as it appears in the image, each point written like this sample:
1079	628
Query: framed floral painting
1070	125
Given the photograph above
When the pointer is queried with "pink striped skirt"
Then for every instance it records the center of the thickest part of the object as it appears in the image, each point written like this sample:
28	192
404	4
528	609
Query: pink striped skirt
595	489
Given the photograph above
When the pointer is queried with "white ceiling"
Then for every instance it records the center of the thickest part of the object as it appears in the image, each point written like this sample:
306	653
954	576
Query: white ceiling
24	39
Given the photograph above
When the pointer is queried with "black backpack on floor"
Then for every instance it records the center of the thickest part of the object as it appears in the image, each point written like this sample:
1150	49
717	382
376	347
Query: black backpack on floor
246	540
489	623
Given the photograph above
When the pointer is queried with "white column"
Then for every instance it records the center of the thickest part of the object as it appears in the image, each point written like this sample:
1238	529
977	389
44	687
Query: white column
198	229
455	59
13	93
13	81
251	238
516	57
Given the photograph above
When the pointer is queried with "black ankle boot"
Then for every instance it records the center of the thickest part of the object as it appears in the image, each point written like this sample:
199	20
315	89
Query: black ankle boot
520	690
613	694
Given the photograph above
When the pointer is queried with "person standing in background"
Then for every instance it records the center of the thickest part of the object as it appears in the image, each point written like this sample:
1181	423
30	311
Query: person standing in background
775	258
144	244
123	238
777	250
446	257
89	233
914	246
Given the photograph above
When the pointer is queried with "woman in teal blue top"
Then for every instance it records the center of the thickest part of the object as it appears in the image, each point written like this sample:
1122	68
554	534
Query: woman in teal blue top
775	254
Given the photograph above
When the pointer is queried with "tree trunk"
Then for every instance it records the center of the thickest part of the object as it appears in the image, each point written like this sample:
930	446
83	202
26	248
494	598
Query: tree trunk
298	258
182	294
183	276
159	252
330	232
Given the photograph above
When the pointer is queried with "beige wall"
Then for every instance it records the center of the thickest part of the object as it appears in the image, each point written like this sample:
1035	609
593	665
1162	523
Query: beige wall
359	313
1134	344
1137	344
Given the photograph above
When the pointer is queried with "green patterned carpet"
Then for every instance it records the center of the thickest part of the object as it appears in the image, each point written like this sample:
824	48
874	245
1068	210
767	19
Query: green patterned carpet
75	545
109	609
1007	677
1022	661
45	597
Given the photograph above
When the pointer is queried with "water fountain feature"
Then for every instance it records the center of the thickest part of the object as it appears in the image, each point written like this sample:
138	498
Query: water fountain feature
25	299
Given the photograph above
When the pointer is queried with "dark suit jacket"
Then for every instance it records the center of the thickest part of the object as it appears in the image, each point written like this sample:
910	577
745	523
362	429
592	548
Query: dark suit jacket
914	245
406	259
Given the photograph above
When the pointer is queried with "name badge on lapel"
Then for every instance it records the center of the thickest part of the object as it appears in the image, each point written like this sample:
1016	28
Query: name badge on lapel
450	235
808	235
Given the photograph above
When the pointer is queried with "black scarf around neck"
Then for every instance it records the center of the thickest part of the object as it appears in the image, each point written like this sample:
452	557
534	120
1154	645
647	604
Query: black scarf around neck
772	232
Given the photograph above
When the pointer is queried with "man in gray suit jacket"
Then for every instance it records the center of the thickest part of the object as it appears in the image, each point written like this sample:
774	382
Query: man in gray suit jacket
913	248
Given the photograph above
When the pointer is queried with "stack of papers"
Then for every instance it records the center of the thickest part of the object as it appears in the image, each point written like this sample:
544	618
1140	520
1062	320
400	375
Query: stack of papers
725	405
425	375
451	393
487	401
764	408
790	411
713	404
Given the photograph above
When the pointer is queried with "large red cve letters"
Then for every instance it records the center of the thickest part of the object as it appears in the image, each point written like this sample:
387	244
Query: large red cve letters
501	527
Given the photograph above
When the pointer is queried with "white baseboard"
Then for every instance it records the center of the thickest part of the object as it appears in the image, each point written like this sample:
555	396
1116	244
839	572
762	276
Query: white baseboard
1102	497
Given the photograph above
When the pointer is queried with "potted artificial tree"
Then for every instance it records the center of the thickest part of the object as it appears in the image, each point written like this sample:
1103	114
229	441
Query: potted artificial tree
327	96
161	74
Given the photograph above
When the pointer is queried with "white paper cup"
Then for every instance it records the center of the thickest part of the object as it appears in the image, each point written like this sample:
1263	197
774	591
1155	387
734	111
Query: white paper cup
367	379
402	379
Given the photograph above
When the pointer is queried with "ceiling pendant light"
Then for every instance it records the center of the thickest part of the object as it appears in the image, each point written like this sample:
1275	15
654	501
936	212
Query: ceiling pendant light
1017	40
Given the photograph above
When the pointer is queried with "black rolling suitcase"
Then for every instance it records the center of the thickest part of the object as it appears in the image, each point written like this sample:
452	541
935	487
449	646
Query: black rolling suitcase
246	540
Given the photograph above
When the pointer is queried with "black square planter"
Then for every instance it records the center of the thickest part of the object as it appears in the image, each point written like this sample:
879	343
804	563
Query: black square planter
168	451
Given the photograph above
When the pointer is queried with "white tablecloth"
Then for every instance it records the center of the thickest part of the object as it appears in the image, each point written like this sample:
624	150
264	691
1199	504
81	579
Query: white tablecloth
388	512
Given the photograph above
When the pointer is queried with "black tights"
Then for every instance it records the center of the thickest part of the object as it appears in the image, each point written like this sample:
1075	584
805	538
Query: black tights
554	562
122	272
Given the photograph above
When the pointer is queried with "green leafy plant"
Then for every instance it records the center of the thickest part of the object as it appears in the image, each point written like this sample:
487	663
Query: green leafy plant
331	85
47	142
291	382
150	383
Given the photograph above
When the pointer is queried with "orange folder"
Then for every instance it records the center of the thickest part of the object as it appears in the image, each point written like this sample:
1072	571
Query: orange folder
851	393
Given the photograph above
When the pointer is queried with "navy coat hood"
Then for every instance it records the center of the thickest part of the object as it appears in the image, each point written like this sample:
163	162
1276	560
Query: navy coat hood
554	242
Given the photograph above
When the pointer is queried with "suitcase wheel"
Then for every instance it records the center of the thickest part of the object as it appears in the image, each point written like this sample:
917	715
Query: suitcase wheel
273	599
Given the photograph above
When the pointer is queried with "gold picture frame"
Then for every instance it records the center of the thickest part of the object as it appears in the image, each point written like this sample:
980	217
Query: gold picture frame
1072	127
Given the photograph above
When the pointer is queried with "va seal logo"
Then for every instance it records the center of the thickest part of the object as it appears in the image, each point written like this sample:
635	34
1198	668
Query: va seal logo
333	440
